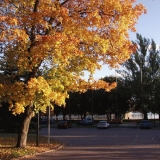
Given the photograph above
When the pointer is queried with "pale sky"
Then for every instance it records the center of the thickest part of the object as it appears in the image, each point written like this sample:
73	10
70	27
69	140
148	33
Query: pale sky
148	26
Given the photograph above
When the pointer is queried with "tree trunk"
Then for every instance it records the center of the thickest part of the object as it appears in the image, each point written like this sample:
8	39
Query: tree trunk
108	116
145	115
85	114
22	136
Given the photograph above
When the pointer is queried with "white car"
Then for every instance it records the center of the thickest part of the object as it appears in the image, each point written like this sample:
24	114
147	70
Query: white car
103	124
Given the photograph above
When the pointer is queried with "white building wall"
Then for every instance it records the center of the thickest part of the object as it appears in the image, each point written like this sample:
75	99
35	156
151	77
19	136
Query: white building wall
138	115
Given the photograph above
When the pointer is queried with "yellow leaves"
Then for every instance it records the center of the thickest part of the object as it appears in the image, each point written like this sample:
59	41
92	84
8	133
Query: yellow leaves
37	91
83	86
95	17
39	85
33	83
18	108
44	93
17	97
101	84
64	11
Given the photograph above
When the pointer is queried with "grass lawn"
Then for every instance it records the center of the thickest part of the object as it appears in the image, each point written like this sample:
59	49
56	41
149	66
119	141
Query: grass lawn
9	151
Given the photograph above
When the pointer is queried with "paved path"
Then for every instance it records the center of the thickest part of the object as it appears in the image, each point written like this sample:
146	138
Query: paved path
104	144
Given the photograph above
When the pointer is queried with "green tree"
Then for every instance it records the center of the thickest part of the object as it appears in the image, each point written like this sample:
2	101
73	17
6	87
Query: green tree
141	73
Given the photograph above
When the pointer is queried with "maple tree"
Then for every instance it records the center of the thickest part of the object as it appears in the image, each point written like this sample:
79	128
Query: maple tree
46	45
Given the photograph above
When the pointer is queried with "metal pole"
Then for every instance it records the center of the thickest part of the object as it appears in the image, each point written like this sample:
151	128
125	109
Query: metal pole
92	105
69	110
37	136
141	103
116	99
154	119
79	111
141	73
48	125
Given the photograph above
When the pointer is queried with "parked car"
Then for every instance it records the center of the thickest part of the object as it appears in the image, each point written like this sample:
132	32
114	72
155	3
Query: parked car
86	121
103	124
64	124
145	124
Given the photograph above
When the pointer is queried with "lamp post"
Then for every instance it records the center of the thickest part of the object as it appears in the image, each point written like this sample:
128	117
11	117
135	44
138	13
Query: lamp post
116	99
37	136
141	87
49	124
79	110
154	120
154	113
69	110
92	105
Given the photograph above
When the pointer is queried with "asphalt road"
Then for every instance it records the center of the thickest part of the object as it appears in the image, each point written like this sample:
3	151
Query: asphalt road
104	144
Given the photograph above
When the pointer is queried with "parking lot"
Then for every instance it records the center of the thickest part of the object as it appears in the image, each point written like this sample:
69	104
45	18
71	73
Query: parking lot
101	144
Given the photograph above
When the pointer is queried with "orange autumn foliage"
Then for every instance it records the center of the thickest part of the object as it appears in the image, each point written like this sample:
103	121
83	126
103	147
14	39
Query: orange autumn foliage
46	45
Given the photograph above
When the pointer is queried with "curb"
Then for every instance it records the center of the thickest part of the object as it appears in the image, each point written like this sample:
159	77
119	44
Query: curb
35	154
